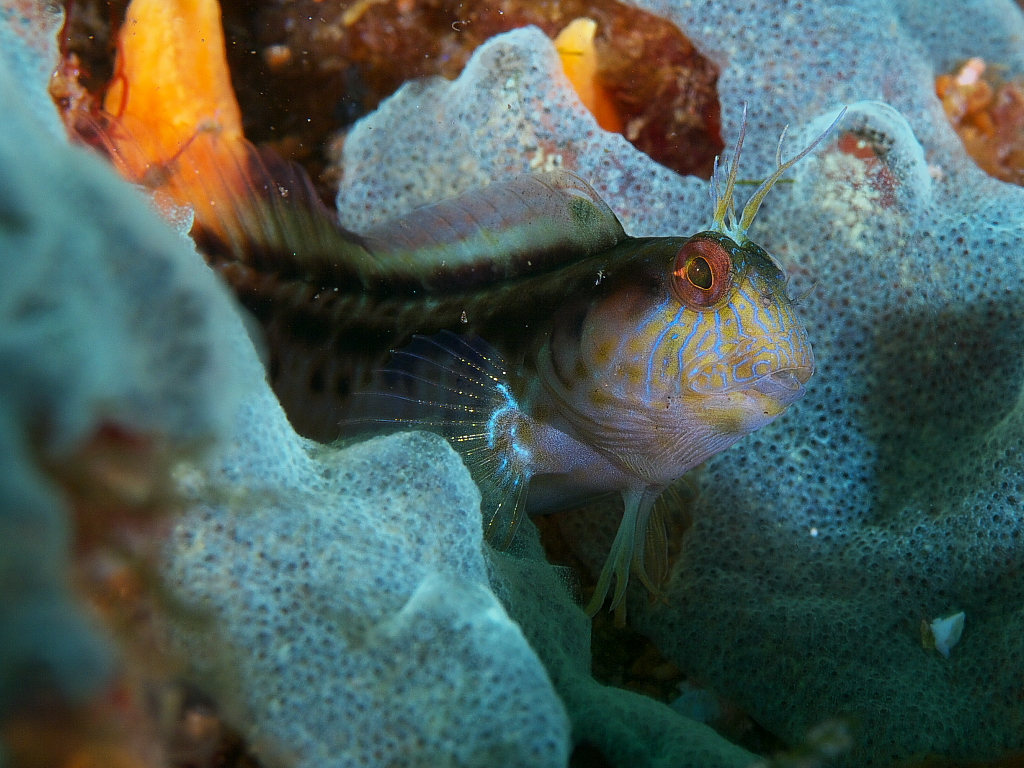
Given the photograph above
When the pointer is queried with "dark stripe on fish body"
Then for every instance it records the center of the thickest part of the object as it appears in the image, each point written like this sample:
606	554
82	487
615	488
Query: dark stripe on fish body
324	342
498	262
272	219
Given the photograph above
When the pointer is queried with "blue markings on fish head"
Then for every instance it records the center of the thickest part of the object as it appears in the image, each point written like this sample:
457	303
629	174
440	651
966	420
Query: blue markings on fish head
747	353
696	345
691	344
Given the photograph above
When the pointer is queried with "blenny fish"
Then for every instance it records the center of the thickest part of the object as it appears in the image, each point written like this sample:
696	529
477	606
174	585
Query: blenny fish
564	359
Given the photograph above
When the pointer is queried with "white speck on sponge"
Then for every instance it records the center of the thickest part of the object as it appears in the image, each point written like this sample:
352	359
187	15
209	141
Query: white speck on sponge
947	632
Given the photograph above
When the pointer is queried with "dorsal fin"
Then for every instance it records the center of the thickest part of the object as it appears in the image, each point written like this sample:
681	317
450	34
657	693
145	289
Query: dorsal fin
507	229
250	205
254	207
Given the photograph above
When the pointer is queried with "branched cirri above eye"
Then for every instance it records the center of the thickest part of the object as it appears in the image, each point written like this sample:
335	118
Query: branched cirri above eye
701	273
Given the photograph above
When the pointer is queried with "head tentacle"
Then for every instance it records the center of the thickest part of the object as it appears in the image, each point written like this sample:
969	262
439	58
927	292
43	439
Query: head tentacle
724	202
725	219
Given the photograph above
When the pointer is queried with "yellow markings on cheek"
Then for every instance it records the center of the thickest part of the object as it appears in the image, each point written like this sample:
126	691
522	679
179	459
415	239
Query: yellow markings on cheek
737	413
725	414
759	315
667	358
632	372
690	335
600	398
752	341
728	421
770	408
652	329
603	353
745	370
702	337
639	344
580	370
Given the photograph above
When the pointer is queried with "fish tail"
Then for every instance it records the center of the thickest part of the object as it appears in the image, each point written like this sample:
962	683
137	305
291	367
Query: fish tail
458	386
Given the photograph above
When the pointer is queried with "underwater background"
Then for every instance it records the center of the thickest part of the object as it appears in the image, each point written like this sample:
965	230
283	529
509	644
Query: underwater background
185	580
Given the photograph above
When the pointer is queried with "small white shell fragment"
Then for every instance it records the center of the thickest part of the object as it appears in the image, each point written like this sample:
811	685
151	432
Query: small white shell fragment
947	632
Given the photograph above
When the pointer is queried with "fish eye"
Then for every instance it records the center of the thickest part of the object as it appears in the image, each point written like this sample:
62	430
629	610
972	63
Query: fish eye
699	273
702	273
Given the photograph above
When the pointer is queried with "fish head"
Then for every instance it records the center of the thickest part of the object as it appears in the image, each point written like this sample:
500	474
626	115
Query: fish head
746	354
692	344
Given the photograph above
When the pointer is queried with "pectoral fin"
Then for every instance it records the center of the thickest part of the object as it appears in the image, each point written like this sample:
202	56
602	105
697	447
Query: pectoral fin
457	386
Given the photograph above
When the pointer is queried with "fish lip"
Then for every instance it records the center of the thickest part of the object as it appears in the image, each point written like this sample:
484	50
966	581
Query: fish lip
785	385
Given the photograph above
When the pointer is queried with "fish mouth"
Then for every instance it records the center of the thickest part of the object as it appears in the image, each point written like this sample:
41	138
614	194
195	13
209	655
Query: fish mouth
785	386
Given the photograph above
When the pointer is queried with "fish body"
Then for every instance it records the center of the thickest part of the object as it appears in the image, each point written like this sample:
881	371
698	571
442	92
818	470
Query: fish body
617	372
563	358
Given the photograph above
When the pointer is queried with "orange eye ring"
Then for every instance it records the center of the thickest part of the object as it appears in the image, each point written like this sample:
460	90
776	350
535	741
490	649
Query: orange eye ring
701	273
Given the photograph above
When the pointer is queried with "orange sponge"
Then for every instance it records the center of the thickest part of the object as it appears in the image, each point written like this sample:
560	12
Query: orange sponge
173	123
172	75
575	45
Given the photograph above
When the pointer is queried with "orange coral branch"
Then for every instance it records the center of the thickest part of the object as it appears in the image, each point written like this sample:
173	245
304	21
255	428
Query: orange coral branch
172	74
575	45
175	124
